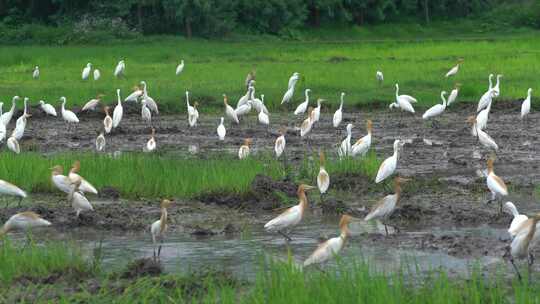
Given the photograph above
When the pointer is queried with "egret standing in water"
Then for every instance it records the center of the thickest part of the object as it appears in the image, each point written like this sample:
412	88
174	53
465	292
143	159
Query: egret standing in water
244	150
10	189
385	207
331	247
159	227
292	216
221	131
23	221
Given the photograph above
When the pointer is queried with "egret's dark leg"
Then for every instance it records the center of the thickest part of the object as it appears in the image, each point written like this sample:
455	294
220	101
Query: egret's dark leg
288	238
386	229
515	268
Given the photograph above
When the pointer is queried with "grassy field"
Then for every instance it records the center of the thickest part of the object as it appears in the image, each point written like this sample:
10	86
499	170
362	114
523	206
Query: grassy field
348	282
328	68
142	175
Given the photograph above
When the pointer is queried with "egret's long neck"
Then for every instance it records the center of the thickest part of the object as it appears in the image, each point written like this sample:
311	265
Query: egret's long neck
341	103
397	91
443	100
163	219
498	79
307	95
513	210
303	200
490	82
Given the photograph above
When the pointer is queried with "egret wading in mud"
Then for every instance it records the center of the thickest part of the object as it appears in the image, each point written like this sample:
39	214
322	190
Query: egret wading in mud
221	131
331	247
307	124
118	112
12	190
435	110
23	221
362	145
495	184
229	111
323	179
526	236
403	102
526	105
77	199
244	150
482	136
146	114
385	207
107	121
13	145
151	144
345	147
301	108
517	219
159	227
290	217
389	165
193	114
6	116
68	116
338	115
47	108
100	142
279	146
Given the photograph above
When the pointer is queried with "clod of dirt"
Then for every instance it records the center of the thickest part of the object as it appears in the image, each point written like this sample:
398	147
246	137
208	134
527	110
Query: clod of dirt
109	193
142	267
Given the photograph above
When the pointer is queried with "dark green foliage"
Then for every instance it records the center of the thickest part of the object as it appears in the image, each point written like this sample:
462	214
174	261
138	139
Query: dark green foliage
216	18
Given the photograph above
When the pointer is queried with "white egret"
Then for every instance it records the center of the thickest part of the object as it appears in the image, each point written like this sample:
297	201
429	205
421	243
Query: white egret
180	67
317	111
331	247
323	179
193	114
264	119
60	181
279	146
120	69
10	189
301	109
497	88
77	199
345	147
47	108
517	220
68	115
389	165
250	77
338	115
380	77
482	136
243	109
151	144
290	88
495	184
292	216
118	111
453	94
453	71
146	114
244	150
23	221
100	142
86	71
221	131
243	100
13	145
35	74
361	146
6	116
385	207
229	111
73	176
150	102
92	104
107	121
526	105
306	125
134	96
159	227
404	101
526	236
97	74
437	109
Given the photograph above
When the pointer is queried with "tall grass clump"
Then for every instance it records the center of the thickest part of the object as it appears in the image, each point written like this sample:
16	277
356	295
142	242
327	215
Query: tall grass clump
36	261
140	175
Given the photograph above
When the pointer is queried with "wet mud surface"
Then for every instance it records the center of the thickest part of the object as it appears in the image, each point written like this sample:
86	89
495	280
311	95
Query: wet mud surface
446	198
449	152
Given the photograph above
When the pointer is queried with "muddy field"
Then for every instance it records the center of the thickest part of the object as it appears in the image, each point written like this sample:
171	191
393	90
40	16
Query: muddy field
449	151
448	191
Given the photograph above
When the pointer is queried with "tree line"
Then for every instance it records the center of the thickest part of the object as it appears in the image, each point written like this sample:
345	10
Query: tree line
220	17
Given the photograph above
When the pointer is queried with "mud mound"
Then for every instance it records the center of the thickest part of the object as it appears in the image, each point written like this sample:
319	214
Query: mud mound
352	182
334	206
142	268
109	192
464	245
411	213
71	275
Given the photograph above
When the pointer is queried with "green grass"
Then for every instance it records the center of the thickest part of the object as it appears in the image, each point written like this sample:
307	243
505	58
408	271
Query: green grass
35	261
328	68
143	175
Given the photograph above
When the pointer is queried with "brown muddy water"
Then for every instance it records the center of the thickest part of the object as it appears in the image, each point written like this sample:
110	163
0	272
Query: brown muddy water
443	221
